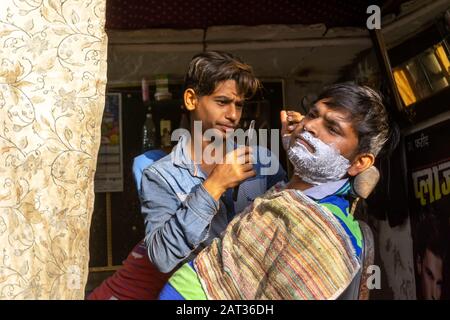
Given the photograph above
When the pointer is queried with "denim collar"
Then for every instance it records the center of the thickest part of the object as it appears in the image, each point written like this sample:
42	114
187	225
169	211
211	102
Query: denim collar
181	158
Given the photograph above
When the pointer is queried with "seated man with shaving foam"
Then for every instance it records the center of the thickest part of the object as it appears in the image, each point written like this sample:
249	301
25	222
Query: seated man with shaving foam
298	241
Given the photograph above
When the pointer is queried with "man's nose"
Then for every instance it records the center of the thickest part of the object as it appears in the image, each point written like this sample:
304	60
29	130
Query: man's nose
231	113
312	126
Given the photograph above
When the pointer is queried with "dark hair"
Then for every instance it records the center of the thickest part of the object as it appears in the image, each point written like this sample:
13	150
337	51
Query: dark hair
431	234
368	115
206	70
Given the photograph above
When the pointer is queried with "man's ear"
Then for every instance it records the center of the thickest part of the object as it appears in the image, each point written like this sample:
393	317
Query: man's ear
190	99
361	163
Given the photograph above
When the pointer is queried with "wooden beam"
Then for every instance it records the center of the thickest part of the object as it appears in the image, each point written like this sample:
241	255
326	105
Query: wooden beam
396	107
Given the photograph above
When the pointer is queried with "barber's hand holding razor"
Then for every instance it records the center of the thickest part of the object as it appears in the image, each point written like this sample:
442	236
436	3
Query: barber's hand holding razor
289	121
236	168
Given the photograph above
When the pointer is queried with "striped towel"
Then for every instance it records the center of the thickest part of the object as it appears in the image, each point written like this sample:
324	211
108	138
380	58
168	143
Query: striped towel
284	246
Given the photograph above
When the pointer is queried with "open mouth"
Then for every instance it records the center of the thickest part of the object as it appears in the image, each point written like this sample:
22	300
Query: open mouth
306	144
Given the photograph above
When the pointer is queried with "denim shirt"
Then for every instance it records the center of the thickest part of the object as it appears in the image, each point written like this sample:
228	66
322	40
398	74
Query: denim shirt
180	216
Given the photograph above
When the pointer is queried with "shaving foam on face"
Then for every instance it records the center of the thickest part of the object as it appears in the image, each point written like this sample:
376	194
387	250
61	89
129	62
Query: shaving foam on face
324	165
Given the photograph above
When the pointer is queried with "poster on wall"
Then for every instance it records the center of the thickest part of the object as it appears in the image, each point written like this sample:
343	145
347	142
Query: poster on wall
428	169
109	174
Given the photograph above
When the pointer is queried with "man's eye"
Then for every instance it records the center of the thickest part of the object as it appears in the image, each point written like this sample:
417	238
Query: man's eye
221	102
333	130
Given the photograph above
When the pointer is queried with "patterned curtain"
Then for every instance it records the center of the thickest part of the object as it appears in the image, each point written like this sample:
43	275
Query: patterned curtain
52	80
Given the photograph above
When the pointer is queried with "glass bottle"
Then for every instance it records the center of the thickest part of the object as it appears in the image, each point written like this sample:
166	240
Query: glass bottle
148	134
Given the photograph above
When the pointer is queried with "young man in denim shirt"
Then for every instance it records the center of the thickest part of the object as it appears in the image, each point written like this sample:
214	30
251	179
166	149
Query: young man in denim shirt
187	201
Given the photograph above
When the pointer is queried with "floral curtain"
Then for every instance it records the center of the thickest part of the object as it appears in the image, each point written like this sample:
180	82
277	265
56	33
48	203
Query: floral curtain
52	80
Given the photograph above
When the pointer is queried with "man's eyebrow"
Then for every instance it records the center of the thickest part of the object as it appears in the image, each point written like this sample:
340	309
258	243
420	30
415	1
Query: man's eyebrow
228	99
334	122
223	98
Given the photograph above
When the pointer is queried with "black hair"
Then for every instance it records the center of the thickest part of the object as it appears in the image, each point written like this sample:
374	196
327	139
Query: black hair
207	69
431	234
370	119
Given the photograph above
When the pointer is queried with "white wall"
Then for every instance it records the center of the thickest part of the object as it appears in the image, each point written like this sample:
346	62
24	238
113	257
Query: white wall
283	52
396	253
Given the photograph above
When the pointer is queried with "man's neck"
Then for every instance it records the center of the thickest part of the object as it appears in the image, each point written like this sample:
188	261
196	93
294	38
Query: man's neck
297	183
